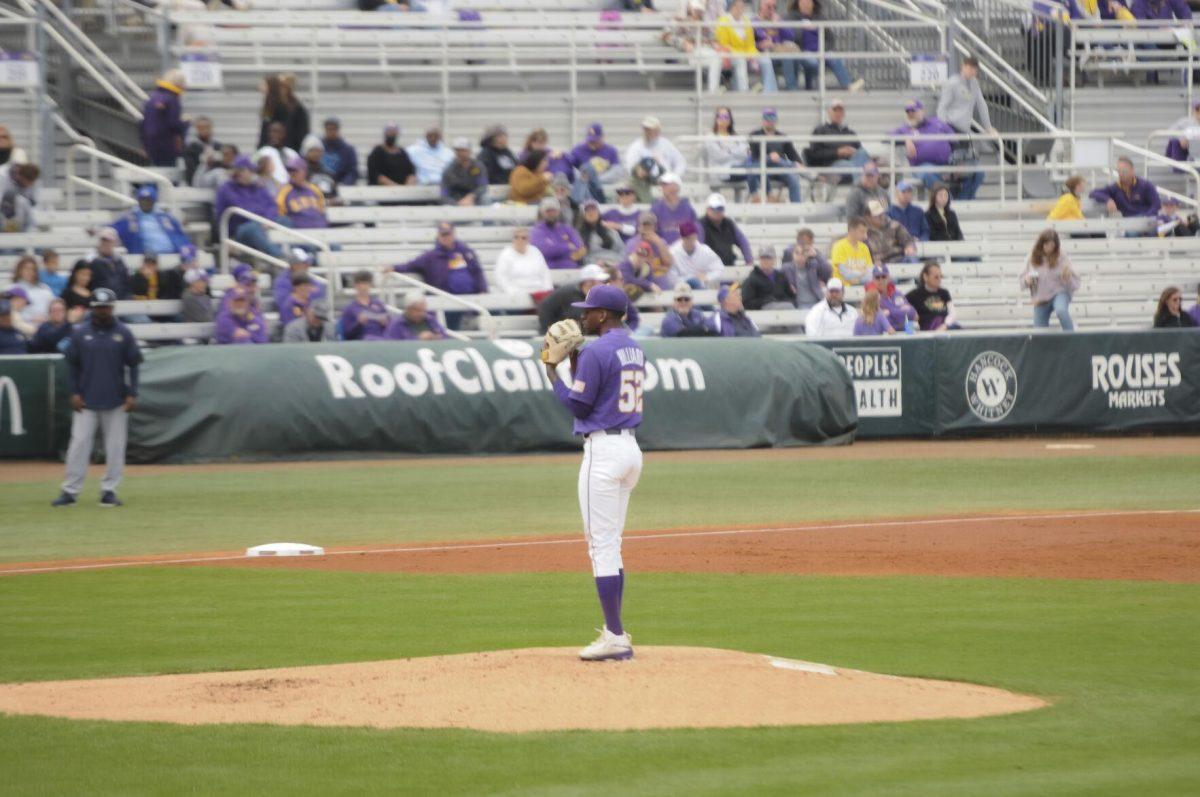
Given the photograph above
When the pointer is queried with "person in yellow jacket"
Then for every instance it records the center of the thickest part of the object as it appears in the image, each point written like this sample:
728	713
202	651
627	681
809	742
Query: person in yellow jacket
735	36
850	257
1068	207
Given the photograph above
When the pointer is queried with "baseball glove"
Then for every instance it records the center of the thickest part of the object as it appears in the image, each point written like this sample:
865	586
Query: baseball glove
563	338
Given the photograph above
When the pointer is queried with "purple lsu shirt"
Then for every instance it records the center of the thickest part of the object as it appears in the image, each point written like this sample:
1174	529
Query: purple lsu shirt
608	377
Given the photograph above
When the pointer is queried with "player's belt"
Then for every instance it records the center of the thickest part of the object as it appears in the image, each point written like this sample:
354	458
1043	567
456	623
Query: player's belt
627	432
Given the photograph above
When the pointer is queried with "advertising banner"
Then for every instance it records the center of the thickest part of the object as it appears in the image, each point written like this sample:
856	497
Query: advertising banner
34	415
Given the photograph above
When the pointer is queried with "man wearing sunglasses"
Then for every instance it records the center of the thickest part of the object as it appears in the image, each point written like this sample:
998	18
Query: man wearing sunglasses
684	320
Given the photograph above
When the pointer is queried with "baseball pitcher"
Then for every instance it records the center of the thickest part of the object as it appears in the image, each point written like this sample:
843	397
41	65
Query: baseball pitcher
602	387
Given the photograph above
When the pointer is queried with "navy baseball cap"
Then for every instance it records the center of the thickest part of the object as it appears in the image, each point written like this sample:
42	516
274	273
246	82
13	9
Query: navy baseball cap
604	297
147	191
103	297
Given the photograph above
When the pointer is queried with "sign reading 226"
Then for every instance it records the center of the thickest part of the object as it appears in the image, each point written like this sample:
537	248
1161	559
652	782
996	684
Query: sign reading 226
630	397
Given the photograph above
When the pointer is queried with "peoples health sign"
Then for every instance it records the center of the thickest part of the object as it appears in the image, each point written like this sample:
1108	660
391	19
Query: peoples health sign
877	374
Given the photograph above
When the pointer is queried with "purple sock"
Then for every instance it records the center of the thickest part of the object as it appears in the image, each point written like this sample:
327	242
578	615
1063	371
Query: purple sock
609	590
621	591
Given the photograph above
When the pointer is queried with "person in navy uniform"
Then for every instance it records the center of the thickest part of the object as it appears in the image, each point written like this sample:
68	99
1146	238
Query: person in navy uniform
100	353
12	341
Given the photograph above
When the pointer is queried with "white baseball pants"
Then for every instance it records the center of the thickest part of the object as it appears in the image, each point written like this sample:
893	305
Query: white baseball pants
611	467
114	424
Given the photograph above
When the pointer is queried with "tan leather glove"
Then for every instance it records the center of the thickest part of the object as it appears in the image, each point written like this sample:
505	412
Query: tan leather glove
562	338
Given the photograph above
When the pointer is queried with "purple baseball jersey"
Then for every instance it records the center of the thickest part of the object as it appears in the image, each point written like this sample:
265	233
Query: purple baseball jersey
607	389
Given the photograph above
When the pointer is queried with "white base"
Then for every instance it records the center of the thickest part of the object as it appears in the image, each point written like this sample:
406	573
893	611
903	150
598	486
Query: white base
285	549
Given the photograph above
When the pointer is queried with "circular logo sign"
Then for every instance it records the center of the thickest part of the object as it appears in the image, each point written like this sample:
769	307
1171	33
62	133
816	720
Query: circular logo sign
991	386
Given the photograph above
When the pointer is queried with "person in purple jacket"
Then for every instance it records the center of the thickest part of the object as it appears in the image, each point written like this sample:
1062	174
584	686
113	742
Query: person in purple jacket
239	323
366	317
1195	311
558	241
244	191
623	218
730	319
871	319
1155	11
163	125
673	210
932	151
300	202
416	322
1129	195
892	303
450	265
296	304
299	261
599	164
779	43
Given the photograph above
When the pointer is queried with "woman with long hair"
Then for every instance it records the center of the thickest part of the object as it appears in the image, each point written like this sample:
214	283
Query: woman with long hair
1069	207
529	182
25	276
603	245
1050	280
77	293
726	151
556	160
280	104
935	308
870	320
943	222
1169	313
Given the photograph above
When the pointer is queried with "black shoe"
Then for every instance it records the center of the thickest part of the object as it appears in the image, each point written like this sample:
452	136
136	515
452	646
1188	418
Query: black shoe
64	499
109	498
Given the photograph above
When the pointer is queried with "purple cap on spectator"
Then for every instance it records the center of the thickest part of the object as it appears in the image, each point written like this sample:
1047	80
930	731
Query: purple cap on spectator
243	162
724	291
870	167
17	292
880	271
688	228
240	269
770	113
913	105
297	165
594	132
187	253
604	297
248	277
391	127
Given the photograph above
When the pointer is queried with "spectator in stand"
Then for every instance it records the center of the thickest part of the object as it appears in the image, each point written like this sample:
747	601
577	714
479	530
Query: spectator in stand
530	181
659	258
430	156
147	229
1155	11
19	300
497	159
650	157
783	161
942	220
641	6
49	274
19	197
866	190
246	278
672	209
272	158
725	152
806	269
416	322
599	165
602	244
150	283
1172	222
197	303
163	124
1187	146
638	269
730	319
688	35
108	269
1130	195
280	104
1195	311
313	327
201	150
809	12
721	233
9	152
299	261
623	218
767	287
78	292
321	178
338	158
558	241
245	192
213	174
560	189
871	320
961	101
683	320
910	216
1169	313
632	294
559	304
296	303
450	265
25	276
693	262
1051	281
300	203
847	153
521	268
239	322
388	163
12	341
924	151
831	318
886	238
777	42
558	162
365	317
735	36
899	313
465	179
51	336
1069	205
850	257
935	309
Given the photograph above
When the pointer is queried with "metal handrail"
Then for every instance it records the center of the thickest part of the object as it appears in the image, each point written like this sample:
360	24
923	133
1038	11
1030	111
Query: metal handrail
487	323
95	52
981	46
1148	156
129	107
166	190
227	244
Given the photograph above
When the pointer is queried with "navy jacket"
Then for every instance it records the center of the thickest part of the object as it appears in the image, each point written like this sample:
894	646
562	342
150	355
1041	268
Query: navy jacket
96	361
111	273
13	342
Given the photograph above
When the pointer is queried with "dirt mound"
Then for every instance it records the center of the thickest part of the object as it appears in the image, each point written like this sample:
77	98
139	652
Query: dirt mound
538	689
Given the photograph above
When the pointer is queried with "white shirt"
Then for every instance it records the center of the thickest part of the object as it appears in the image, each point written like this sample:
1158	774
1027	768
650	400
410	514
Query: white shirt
527	273
703	264
725	153
661	150
278	170
825	322
40	297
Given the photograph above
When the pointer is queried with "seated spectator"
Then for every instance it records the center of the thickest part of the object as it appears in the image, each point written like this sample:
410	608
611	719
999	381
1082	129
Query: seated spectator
247	279
147	229
1195	311
910	216
808	38
623	218
784	163
1051	281
871	320
637	269
25	276
49	275
602	244
430	156
245	192
201	149
465	179
271	158
150	283
767	288
365	317
598	163
961	100
806	269
850	257
108	269
721	233
688	36
313	327
239	322
683	320
672	209
1173	222
1187	146
321	178
78	292
163	126
659	258
560	189
12	341
935	309
1130	195
450	265
831	318
1169	313
416	322
521	268
726	152
1154	11
899	313
9	151
864	191
942	220
530	180
197	303
557	161
558	241
282	107
924	151
19	300
497	159
339	159
847	153
735	35
388	163
296	303
299	263
772	40
693	262
51	337
886	238
300	203
19	197
650	157
559	304
213	174
1069	207
632	293
730	319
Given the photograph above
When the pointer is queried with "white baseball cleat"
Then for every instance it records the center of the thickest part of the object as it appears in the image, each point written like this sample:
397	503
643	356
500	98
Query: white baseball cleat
609	647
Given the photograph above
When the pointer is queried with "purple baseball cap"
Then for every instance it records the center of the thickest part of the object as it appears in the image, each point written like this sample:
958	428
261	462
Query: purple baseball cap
688	228
17	292
595	132
243	162
297	165
187	253
913	105
723	293
604	297
880	271
770	113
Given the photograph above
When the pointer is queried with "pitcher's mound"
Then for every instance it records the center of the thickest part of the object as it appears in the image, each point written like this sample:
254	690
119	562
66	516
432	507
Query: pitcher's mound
539	689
